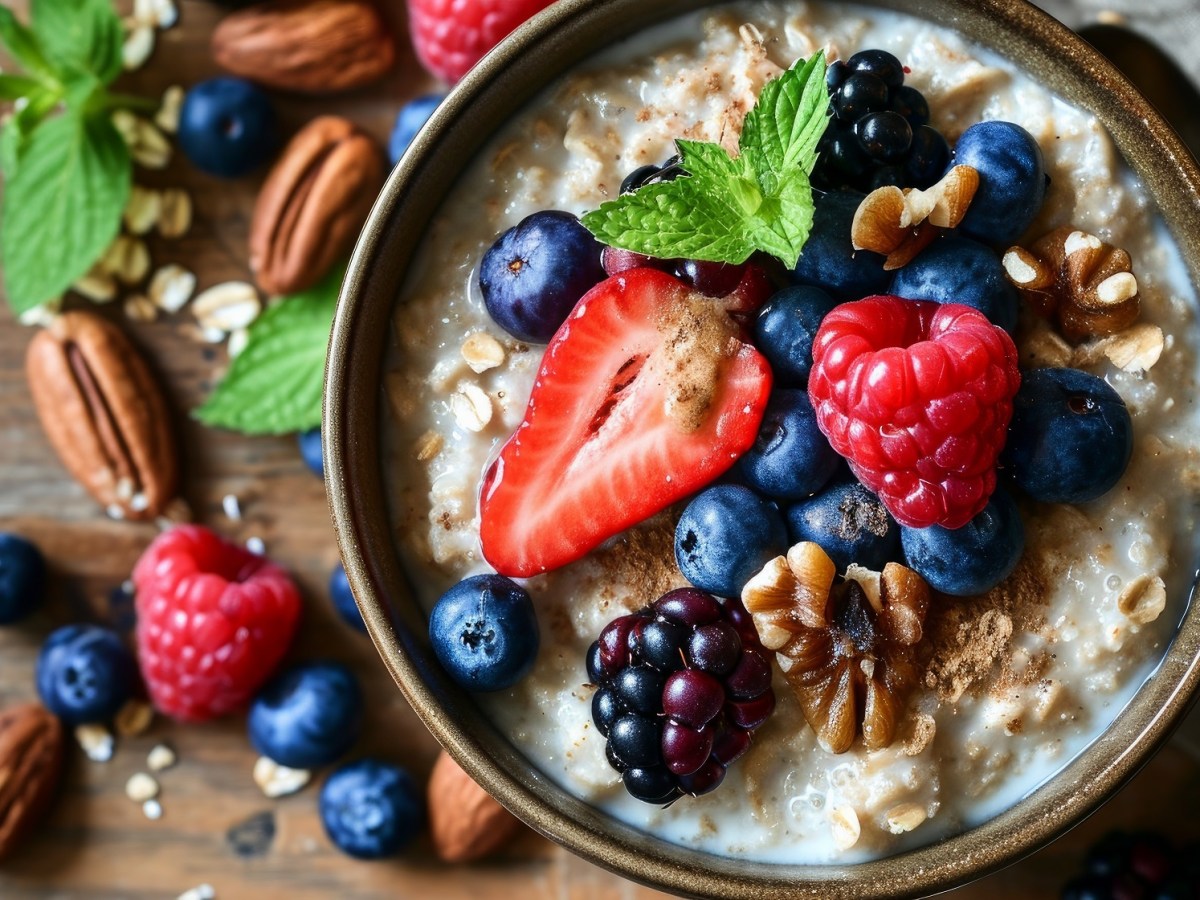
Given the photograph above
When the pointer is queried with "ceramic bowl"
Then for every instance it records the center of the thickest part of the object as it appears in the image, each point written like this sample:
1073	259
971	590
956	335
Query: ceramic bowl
535	55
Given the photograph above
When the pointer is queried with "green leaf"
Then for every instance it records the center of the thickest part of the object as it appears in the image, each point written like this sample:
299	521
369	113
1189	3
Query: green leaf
274	385
783	129
24	47
62	206
10	141
13	87
85	35
785	219
704	160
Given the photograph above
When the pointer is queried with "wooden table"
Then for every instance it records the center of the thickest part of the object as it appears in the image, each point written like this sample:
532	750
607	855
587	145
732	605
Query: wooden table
217	827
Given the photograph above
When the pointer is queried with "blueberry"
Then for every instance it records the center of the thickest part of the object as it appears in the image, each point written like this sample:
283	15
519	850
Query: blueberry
310	451
343	598
972	559
850	523
84	674
841	159
790	458
911	104
829	261
886	136
927	157
227	127
484	632
308	716
22	577
858	95
959	270
784	332
883	65
1070	438
412	116
536	271
1012	180
371	809
726	535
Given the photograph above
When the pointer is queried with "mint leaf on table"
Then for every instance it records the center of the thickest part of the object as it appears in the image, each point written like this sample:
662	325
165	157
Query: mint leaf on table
725	208
83	35
24	47
62	205
274	385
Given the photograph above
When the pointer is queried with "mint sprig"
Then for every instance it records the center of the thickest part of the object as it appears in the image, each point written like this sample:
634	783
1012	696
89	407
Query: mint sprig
274	384
725	207
67	170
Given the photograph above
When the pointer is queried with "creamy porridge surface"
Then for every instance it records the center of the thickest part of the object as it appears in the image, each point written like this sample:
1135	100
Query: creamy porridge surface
1022	678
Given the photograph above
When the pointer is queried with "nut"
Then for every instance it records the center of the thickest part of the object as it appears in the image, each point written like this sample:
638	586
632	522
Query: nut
276	780
465	822
1143	599
1083	285
899	224
160	758
141	787
96	741
309	46
139	44
133	718
31	754
481	352
167	117
313	204
175	213
104	414
171	287
227	307
142	210
127	259
1135	349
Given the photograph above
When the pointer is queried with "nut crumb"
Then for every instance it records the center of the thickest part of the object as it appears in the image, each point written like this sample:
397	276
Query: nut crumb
96	742
161	758
134	718
152	810
1143	599
429	445
278	781
141	787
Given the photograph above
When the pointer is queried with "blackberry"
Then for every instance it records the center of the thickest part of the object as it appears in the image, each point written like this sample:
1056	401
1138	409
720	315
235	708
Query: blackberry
651	174
680	688
879	134
1138	866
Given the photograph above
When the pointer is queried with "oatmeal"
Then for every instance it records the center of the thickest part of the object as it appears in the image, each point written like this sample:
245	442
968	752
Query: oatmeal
1012	683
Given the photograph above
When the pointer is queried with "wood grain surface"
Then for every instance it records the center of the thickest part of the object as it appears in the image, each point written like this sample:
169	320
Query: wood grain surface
217	827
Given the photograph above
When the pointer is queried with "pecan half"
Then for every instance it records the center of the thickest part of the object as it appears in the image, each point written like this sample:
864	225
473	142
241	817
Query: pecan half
309	46
313	204
104	414
31	754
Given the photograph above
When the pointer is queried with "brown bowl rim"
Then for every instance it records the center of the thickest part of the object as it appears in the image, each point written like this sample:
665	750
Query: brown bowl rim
536	53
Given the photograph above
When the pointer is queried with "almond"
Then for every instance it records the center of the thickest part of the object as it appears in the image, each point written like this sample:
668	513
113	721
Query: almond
31	754
308	46
466	823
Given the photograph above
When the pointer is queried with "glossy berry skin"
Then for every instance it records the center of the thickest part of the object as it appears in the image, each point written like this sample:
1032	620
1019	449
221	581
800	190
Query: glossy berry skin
84	674
214	620
956	269
790	458
972	559
485	633
308	716
917	397
928	156
371	809
450	36
343	598
726	535
22	577
886	135
227	127
535	273
413	114
1012	181
309	443
1071	436
879	64
784	332
850	523
830	262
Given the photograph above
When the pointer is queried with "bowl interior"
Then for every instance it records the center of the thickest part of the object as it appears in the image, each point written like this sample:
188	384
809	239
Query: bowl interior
537	53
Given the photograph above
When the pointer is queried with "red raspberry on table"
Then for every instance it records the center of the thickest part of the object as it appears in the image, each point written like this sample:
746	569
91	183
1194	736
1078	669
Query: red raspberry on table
450	36
917	396
214	620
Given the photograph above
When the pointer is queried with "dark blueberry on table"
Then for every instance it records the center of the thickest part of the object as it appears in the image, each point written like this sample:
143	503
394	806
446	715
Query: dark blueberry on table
371	809
883	65
725	536
973	559
886	136
413	114
227	127
784	332
850	523
956	269
1012	180
928	157
1089	887
859	94
911	104
713	279
22	577
308	716
85	674
790	458
535	272
830	262
343	598
484	633
310	451
1070	438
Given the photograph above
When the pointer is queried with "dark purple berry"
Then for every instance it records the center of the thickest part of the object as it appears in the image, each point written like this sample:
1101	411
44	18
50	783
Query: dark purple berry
845	156
1150	857
614	760
615	261
928	157
688	606
886	136
685	749
595	667
638	177
858	95
715	648
740	618
606	709
711	278
1088	887
651	785
661	643
751	676
749	714
709	778
730	744
837	72
640	688
614	645
635	741
887	176
692	697
911	103
883	65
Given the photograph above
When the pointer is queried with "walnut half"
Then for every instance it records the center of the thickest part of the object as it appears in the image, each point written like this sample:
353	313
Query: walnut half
846	646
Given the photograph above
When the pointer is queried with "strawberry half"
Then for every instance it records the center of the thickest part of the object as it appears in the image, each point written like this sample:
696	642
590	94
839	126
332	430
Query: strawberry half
646	393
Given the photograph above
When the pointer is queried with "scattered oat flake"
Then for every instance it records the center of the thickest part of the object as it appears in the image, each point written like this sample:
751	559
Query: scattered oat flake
482	352
905	817
227	306
232	507
134	718
167	117
471	407
171	287
142	210
429	445
175	213
140	308
276	780
238	339
96	742
200	892
256	546
139	44
141	787
843	823
97	285
161	758
152	810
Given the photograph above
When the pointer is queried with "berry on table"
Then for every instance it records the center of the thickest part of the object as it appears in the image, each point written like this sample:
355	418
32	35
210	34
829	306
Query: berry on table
371	809
22	577
849	523
784	332
450	36
1012	180
830	262
725	535
309	443
343	598
412	116
484	633
790	458
1133	866
227	127
84	674
214	620
535	273
307	716
956	269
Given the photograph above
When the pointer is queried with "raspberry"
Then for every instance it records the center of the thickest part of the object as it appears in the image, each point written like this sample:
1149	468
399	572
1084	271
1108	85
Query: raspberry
917	396
450	36
214	620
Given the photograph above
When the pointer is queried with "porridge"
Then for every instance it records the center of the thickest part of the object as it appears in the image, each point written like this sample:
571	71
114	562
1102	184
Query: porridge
1007	684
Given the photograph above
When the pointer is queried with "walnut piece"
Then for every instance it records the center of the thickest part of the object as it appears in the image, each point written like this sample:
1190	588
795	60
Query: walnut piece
1084	286
846	647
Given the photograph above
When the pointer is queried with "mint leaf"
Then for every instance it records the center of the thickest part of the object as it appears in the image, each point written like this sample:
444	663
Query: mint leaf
85	35
62	205
274	384
13	87
783	129
24	47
